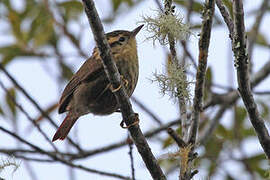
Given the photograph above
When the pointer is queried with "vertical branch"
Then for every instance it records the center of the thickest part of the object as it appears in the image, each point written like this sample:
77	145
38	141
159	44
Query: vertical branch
242	67
112	73
226	16
200	76
159	5
169	9
255	28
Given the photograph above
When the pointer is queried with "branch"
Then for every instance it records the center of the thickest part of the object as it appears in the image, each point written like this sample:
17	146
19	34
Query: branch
255	28
112	73
188	54
169	10
189	8
241	61
176	138
146	109
208	131
85	154
122	143
226	16
28	116
130	153
35	103
56	158
159	5
63	27
230	98
200	76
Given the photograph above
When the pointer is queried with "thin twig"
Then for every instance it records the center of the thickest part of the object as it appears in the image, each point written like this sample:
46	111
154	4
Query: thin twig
33	159
89	153
177	139
28	116
204	42
181	99
226	16
200	76
208	131
188	54
122	143
255	28
63	27
130	153
159	5
30	170
146	109
56	158
113	75
242	67
230	98
262	92
189	9
27	95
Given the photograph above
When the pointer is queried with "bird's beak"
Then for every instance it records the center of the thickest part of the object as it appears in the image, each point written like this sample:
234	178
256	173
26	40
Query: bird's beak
136	30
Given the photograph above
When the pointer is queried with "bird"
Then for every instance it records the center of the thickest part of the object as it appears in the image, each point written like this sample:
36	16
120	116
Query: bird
90	91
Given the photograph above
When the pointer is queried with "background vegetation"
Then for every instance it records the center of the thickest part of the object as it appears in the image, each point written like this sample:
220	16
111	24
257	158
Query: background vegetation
55	36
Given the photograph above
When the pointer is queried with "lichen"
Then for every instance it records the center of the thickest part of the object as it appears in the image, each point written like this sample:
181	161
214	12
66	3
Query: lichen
9	162
174	82
163	25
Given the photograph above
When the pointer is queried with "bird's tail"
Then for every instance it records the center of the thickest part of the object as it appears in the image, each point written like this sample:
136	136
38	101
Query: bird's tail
65	127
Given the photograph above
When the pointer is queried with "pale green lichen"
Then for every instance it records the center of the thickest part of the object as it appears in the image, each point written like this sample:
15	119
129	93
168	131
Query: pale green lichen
9	162
166	24
174	83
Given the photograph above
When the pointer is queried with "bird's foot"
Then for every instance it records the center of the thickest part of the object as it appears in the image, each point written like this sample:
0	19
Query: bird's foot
117	89
124	80
136	122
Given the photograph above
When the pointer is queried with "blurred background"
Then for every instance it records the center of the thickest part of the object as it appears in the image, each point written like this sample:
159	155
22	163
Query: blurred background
43	42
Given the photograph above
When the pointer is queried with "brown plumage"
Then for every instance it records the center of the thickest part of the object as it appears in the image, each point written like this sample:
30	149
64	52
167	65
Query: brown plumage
89	89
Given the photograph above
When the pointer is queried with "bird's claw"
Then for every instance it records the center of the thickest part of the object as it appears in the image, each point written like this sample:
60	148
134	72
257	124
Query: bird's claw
124	80
119	87
136	122
115	89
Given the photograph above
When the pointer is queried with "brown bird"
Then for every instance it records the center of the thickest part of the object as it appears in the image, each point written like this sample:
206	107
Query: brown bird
89	90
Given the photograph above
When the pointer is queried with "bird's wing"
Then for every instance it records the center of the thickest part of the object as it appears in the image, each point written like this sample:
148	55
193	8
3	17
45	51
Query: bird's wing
88	71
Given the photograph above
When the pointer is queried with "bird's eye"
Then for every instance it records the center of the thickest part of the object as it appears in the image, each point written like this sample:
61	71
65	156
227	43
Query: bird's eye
122	39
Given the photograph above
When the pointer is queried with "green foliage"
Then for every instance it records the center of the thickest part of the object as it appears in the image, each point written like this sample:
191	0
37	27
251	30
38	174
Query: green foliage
212	152
228	4
197	6
116	3
264	109
66	71
9	53
240	115
41	29
32	28
167	142
208	83
35	32
261	39
117	8
71	9
11	92
1	111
